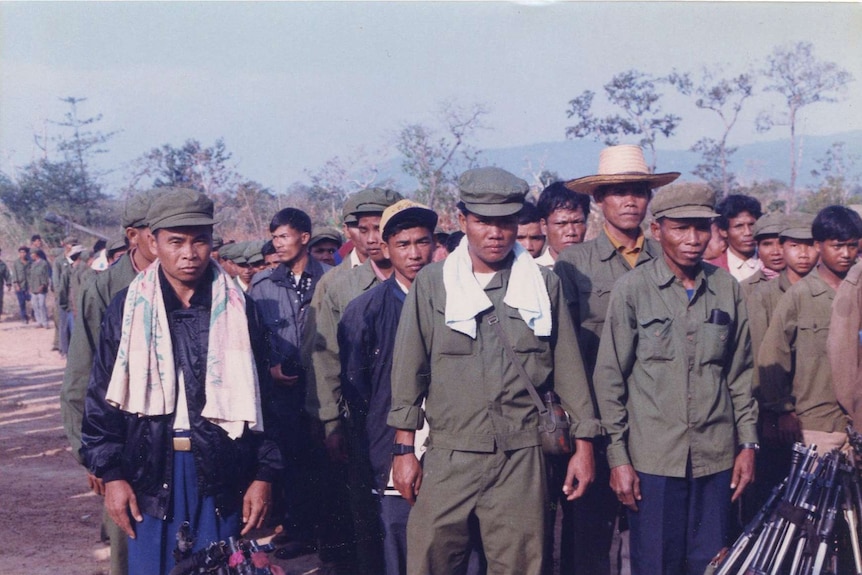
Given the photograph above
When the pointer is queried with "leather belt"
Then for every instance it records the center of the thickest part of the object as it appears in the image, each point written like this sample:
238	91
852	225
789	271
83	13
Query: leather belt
182	443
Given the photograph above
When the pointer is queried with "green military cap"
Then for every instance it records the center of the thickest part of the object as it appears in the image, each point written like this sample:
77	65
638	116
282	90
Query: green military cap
218	242
492	192
684	202
403	210
347	210
768	225
373	201
253	251
798	227
232	251
135	210
116	244
320	233
179	207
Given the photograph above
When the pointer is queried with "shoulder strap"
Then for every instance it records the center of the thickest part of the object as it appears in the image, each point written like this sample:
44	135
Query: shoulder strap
494	322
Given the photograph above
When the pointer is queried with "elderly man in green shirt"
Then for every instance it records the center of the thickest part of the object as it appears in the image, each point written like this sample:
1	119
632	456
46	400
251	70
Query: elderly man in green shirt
484	463
673	384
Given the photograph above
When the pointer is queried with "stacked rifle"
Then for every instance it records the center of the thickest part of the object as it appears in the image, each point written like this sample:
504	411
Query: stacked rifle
231	557
796	531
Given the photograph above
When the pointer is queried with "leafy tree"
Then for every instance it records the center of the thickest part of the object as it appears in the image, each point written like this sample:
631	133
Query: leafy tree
436	161
725	97
637	95
840	181
192	165
801	80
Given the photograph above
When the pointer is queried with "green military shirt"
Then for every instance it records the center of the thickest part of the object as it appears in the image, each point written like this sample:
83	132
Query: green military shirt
337	288
475	399
19	274
59	271
760	301
588	272
749	284
672	386
844	346
5	275
39	276
90	303
793	366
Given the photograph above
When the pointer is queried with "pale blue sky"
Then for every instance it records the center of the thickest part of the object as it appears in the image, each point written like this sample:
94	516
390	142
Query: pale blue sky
289	85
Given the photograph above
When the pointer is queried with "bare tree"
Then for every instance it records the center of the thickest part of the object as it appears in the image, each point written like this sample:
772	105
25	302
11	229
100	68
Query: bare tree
637	95
802	80
338	178
435	161
725	97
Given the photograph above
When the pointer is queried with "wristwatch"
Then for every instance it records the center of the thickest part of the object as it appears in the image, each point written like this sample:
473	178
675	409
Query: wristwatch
751	445
402	449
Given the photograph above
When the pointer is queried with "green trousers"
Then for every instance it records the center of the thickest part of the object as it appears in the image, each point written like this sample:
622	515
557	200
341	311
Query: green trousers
504	493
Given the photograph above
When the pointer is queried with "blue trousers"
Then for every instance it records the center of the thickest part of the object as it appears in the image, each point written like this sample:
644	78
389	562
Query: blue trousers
150	553
23	298
681	523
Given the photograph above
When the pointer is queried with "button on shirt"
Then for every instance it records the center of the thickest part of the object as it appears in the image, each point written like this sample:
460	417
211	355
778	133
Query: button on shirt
673	375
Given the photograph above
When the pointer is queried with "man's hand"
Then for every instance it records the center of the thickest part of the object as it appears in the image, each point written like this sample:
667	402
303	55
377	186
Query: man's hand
627	485
255	505
95	484
789	430
336	446
743	473
120	501
407	476
581	470
279	377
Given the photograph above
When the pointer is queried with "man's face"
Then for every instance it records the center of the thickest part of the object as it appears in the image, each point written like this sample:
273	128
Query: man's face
771	253
369	233
352	233
409	251
230	267
683	240
838	255
740	234
624	205
799	255
246	272
324	251
37	244
184	252
490	239
530	236
22	255
271	260
289	244
564	228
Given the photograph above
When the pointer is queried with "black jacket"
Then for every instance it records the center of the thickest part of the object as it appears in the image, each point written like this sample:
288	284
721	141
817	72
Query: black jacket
119	445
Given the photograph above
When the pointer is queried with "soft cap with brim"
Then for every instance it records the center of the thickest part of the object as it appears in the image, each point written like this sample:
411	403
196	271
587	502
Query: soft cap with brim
403	210
621	165
232	250
492	192
798	227
681	203
135	210
320	233
372	201
117	243
179	208
254	251
769	225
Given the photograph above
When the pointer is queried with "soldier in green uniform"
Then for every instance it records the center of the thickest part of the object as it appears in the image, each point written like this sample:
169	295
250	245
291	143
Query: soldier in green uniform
769	252
484	463
5	279
38	282
60	267
91	303
795	378
19	281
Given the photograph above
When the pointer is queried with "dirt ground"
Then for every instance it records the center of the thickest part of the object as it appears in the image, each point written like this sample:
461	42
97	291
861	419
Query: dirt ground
49	520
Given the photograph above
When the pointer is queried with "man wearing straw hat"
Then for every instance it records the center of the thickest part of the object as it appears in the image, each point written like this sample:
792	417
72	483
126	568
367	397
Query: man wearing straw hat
622	189
173	420
673	385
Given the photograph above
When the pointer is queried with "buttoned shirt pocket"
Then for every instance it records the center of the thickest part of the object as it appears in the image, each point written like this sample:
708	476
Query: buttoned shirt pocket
655	338
811	341
714	346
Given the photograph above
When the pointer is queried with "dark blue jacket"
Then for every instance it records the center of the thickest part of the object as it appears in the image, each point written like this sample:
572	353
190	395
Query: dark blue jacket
120	445
366	338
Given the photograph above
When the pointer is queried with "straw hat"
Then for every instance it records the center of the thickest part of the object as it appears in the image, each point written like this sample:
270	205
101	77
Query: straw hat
621	165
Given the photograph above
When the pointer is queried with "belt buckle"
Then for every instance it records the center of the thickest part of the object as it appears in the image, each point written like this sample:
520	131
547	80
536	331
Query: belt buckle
182	443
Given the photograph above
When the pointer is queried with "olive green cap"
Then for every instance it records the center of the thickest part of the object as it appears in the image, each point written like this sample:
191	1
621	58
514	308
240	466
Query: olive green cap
179	207
320	233
370	201
684	202
798	227
769	225
135	210
492	192
218	242
253	251
117	243
232	251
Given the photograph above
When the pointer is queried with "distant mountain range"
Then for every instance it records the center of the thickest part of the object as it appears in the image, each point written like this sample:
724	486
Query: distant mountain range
574	158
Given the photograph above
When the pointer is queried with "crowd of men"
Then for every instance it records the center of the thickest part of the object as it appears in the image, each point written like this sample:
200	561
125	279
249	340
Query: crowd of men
372	396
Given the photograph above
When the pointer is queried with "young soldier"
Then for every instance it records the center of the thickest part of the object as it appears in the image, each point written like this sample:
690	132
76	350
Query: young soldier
622	189
5	280
530	234
173	423
795	375
19	281
673	383
324	244
38	280
366	337
564	220
484	463
737	214
769	251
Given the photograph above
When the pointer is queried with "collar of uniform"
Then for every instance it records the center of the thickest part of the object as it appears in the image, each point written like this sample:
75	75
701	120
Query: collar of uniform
619	247
664	277
783	281
366	275
816	284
